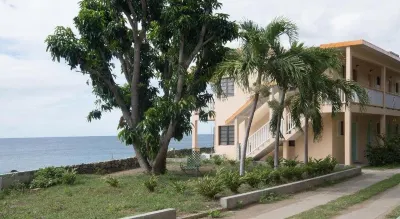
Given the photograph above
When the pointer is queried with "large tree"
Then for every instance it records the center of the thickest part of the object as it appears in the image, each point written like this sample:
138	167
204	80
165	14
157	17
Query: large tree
250	65
151	39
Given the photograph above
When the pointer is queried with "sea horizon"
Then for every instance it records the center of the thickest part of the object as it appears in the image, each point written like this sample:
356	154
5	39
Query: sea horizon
31	153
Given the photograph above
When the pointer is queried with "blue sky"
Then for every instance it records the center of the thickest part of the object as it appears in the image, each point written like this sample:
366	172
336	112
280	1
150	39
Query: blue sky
41	98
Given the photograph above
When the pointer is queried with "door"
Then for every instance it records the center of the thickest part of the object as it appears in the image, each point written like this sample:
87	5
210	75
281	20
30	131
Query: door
354	141
369	133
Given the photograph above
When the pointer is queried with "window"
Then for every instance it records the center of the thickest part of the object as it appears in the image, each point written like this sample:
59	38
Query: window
390	86
227	135
228	86
354	75
341	128
292	143
397	129
378	81
397	87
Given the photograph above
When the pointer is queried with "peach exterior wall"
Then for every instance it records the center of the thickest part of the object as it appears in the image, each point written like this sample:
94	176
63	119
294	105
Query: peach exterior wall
224	108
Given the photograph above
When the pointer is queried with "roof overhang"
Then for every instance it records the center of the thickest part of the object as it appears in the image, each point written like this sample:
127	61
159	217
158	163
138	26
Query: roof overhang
245	110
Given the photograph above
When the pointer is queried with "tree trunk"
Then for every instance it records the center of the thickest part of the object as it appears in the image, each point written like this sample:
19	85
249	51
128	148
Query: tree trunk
278	128
160	163
305	140
246	137
141	159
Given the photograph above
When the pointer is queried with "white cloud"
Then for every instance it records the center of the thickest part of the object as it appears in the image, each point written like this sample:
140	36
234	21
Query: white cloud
42	98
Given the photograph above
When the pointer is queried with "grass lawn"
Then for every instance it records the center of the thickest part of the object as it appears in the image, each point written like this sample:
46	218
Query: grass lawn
390	166
92	197
394	214
334	207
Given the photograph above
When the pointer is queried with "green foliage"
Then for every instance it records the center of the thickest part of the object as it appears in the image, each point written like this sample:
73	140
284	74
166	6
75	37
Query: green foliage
265	175
252	178
215	214
217	160
209	186
271	197
19	186
316	167
151	183
386	153
270	161
69	177
231	162
287	173
231	179
49	176
275	176
112	181
290	162
179	186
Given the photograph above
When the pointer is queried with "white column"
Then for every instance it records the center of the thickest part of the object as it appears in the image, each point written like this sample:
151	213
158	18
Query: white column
195	146
347	113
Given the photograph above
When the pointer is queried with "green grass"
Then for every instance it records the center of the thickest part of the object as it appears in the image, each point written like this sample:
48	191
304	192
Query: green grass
334	207
394	214
385	167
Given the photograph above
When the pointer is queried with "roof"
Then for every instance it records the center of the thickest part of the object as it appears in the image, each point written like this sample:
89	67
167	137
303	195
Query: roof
362	43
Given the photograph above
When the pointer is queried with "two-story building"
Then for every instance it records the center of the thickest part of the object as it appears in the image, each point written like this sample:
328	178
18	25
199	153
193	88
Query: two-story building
345	135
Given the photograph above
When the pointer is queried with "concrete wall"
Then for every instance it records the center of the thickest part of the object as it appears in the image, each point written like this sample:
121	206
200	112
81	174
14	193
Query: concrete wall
8	180
316	149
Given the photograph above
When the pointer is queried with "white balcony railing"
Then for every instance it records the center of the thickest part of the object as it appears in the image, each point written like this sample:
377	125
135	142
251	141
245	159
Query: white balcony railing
258	138
375	97
392	101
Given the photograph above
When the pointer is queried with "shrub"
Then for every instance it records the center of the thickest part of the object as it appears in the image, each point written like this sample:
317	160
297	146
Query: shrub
270	161
18	186
215	214
231	162
209	186
151	183
298	172
248	161
46	177
217	160
317	167
265	175
69	177
275	176
252	178
287	173
112	181
290	162
179	186
384	154
231	179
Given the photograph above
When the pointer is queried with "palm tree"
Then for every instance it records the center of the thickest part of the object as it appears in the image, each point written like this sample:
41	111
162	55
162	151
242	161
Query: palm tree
255	58
319	84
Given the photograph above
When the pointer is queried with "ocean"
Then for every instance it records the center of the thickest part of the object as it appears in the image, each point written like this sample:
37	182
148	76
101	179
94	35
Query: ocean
24	154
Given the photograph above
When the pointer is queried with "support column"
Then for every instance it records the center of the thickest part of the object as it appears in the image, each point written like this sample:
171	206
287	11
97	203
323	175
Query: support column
347	113
286	150
382	124
195	142
383	83
236	135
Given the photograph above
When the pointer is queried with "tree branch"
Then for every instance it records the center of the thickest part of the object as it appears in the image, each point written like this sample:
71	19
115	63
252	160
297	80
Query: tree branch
208	40
197	48
124	68
144	19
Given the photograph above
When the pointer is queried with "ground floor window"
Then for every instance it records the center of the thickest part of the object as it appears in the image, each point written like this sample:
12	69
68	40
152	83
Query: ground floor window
226	135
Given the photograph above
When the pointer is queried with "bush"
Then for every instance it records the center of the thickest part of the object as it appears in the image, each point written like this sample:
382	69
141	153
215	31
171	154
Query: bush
290	162
209	186
179	186
231	162
316	167
270	161
215	214
69	177
231	179
46	177
265	175
287	173
217	160
112	181
275	176
384	154
151	183
253	178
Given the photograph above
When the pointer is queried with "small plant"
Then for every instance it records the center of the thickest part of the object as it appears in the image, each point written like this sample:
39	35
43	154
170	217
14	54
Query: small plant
265	175
18	186
253	178
231	179
231	162
179	186
68	192
217	160
209	186
46	177
270	161
206	161
151	183
112	181
69	177
215	214
271	197
100	171
287	173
